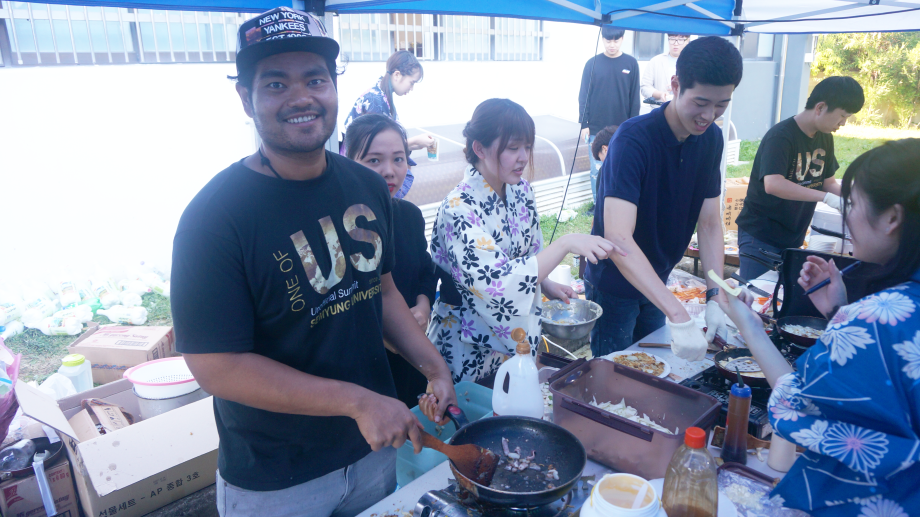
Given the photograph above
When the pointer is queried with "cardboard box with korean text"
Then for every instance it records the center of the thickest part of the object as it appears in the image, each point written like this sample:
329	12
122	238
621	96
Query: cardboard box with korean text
137	469
20	497
113	349
735	192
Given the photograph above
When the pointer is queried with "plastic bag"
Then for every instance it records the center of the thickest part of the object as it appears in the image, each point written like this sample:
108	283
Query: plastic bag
58	386
8	403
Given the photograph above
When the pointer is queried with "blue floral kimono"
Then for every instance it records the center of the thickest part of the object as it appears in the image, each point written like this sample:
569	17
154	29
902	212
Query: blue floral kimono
374	101
854	403
487	248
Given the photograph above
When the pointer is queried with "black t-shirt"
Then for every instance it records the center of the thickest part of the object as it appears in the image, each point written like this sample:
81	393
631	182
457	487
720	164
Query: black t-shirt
668	181
614	95
289	270
805	161
413	273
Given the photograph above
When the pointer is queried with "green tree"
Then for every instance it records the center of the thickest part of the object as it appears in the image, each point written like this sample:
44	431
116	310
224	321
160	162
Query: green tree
886	64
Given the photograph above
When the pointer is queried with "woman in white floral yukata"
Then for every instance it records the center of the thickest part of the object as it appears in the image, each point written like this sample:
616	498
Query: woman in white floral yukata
854	400
488	248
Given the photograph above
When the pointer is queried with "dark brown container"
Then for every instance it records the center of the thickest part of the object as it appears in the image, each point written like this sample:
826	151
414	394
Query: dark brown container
617	442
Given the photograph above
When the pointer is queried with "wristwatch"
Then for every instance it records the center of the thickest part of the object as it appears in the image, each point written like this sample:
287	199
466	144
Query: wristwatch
711	293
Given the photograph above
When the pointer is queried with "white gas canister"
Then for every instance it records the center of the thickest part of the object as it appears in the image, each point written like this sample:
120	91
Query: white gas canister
517	383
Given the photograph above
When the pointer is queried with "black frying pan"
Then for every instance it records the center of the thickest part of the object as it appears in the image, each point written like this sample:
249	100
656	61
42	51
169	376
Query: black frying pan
804	321
41	445
553	446
734	353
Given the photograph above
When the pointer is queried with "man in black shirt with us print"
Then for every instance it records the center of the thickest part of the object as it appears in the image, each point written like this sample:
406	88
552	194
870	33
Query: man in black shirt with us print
283	294
794	169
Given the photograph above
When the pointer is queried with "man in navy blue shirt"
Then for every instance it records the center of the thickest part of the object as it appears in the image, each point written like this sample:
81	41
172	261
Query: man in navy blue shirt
659	181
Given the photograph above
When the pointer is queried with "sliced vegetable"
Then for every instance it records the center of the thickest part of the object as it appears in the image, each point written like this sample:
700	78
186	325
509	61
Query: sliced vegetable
734	291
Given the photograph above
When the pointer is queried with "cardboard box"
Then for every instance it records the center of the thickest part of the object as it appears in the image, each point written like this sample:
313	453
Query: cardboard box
113	349
735	192
137	469
20	497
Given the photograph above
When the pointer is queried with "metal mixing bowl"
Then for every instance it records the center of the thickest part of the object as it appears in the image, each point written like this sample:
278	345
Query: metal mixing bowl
570	321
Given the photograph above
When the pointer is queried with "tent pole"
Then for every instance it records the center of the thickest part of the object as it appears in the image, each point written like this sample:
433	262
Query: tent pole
782	80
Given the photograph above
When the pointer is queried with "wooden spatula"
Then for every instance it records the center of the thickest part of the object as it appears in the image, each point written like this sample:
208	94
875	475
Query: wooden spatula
473	461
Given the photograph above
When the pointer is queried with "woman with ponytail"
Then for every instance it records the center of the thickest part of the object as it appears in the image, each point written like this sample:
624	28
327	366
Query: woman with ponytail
853	401
402	72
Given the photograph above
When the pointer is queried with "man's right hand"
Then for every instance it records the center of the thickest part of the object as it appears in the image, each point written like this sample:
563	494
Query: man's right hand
387	422
584	134
687	340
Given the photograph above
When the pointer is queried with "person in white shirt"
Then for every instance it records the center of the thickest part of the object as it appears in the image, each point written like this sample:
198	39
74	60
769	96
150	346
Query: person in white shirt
656	79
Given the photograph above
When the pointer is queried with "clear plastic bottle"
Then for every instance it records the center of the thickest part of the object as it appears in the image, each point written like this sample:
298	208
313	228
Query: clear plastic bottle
12	328
76	368
691	483
69	326
126	315
103	290
517	383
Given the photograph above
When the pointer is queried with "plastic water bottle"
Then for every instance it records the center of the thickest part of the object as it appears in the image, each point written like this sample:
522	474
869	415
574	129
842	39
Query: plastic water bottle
60	326
12	328
130	299
134	286
82	313
10	311
128	315
517	384
105	292
32	318
76	368
67	293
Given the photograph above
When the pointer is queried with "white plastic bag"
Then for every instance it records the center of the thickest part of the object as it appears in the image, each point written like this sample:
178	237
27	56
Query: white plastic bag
57	386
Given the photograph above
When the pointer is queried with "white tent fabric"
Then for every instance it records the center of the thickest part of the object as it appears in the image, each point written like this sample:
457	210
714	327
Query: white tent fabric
816	16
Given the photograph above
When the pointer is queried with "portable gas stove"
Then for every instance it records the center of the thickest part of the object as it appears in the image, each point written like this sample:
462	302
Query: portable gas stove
453	501
712	383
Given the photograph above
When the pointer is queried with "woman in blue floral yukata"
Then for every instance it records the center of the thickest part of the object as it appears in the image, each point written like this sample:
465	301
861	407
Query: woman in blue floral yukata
403	71
488	248
854	400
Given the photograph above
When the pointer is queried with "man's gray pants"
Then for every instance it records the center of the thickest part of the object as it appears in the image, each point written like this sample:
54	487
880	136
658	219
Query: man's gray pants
343	493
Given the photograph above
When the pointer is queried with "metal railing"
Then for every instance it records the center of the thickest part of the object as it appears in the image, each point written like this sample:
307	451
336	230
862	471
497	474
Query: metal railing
52	34
373	37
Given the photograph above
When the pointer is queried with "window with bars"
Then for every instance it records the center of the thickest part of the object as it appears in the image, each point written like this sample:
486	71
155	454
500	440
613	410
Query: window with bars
49	34
373	37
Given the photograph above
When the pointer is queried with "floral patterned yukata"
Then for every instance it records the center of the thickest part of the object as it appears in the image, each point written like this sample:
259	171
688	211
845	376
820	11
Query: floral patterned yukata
374	101
854	403
488	247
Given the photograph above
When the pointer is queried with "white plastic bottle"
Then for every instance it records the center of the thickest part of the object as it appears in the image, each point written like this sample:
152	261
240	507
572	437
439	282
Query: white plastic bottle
69	326
517	383
67	293
125	315
12	328
32	317
78	370
83	313
103	290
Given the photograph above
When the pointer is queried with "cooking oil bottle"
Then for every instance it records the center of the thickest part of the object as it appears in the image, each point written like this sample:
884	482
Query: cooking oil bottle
691	483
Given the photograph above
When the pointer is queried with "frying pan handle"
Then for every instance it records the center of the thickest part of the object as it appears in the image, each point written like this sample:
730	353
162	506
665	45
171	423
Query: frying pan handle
567	370
630	428
457	416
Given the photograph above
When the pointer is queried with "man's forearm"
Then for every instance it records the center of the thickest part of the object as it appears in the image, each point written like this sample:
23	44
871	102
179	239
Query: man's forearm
778	186
260	382
833	186
403	332
638	271
711	240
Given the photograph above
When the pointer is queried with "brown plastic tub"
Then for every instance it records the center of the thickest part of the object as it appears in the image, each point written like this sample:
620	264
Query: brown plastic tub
617	442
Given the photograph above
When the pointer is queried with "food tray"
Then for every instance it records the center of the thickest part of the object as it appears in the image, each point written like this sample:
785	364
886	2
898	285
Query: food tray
667	367
617	442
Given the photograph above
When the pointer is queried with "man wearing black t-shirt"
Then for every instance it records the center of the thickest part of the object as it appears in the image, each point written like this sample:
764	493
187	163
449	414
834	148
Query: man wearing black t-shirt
609	93
794	169
282	295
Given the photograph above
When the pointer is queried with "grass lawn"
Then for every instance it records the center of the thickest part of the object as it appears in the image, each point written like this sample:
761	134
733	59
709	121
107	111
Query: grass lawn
579	224
849	143
41	354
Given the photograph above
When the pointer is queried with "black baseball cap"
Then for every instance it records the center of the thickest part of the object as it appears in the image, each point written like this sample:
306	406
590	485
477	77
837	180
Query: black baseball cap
282	30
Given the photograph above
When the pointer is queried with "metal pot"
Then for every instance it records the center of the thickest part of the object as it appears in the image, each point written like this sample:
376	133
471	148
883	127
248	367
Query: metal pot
570	321
152	407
